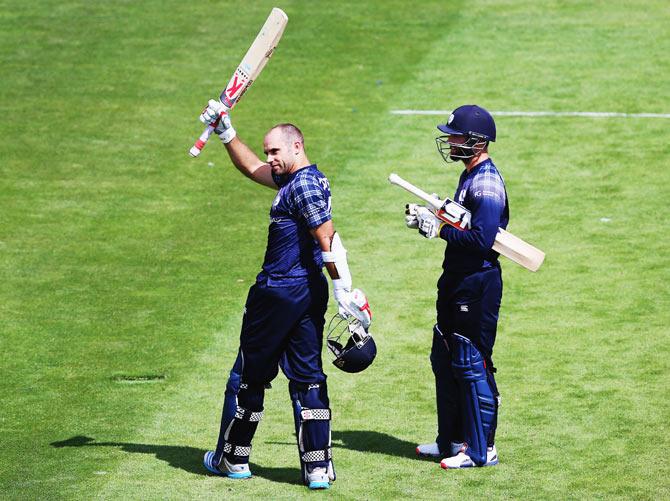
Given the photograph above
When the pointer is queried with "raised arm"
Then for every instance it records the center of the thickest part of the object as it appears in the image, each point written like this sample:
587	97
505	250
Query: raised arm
246	161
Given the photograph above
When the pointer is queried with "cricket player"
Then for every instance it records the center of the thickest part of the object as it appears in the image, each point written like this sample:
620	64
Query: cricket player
284	313
468	298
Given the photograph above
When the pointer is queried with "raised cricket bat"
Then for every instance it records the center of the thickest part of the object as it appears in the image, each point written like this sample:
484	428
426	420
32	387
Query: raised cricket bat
456	215
252	64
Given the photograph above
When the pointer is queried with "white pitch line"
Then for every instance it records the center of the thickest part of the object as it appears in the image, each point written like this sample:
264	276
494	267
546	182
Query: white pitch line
591	114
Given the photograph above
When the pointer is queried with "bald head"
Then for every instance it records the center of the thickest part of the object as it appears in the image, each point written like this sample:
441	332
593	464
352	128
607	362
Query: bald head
289	133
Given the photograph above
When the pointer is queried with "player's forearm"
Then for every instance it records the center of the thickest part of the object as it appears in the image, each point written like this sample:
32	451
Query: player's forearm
332	271
482	234
476	239
246	161
350	302
324	237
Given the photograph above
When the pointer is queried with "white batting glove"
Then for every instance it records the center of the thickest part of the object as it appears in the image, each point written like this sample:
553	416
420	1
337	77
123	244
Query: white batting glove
410	216
216	115
354	304
428	223
341	292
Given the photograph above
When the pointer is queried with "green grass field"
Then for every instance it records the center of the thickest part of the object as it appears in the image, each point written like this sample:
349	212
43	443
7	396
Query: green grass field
125	263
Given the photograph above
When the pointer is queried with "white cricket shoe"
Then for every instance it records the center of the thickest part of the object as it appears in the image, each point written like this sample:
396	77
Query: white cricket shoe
462	460
225	468
433	451
318	478
428	451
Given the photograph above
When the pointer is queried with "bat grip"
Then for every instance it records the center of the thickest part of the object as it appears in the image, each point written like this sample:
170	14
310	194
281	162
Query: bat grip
201	141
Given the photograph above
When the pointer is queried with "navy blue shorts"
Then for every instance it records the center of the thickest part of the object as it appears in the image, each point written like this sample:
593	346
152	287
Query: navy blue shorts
283	326
469	306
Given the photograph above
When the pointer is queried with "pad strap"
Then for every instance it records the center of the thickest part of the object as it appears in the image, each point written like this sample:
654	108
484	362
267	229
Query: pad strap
246	415
315	414
237	450
314	456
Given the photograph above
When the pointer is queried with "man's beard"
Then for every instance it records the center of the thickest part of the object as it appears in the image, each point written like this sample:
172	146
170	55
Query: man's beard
458	154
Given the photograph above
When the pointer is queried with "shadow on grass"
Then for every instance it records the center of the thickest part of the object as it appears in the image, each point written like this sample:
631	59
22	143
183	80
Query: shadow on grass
182	457
374	441
370	441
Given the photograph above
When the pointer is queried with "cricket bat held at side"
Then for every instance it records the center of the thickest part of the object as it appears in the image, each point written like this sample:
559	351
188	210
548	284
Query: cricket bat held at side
252	64
456	215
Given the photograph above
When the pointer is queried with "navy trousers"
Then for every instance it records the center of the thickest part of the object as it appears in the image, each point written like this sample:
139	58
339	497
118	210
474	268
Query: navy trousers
467	305
284	325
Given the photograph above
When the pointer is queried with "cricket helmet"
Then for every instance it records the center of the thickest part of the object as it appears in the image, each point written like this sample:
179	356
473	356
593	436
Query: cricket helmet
470	120
357	350
475	124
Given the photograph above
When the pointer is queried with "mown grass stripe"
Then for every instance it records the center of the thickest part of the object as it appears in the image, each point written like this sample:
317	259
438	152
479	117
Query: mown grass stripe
591	114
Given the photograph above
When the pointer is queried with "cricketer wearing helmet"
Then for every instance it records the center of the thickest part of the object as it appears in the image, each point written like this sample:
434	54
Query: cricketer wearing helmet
469	295
283	319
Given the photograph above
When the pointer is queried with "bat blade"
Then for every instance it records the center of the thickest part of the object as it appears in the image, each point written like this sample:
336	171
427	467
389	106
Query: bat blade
256	58
506	244
252	64
517	250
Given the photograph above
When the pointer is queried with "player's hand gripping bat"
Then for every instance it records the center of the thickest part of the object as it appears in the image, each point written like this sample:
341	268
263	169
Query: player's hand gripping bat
252	64
459	217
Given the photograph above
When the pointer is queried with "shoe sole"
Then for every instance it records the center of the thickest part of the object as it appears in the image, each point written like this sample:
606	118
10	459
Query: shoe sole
445	467
207	462
488	463
319	485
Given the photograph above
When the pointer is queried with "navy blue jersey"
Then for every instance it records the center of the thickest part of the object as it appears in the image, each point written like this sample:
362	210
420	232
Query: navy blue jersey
302	203
482	192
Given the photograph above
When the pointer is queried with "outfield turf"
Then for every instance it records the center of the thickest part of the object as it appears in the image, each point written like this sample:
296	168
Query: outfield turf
125	263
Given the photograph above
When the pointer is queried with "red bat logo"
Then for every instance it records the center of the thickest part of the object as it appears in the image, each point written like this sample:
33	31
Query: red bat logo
234	87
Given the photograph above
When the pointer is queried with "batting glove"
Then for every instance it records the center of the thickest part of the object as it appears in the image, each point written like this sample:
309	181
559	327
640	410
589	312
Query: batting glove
410	216
216	115
355	304
428	223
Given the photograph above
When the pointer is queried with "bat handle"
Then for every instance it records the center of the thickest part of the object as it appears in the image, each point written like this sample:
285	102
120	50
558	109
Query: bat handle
201	141
432	201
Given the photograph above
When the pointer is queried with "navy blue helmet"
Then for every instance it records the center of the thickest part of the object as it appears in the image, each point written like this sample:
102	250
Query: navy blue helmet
360	349
474	125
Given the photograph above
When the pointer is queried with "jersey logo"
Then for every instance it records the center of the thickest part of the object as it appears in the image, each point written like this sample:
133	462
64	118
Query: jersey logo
461	196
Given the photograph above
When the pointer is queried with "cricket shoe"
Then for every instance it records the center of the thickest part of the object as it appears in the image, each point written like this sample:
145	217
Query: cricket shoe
318	478
225	468
433	451
462	460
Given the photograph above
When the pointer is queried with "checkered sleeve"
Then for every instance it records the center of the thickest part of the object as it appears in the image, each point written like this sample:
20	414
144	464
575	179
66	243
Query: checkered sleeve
312	200
488	185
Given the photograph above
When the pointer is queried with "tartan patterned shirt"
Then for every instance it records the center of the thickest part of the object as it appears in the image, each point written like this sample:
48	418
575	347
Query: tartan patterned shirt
302	203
